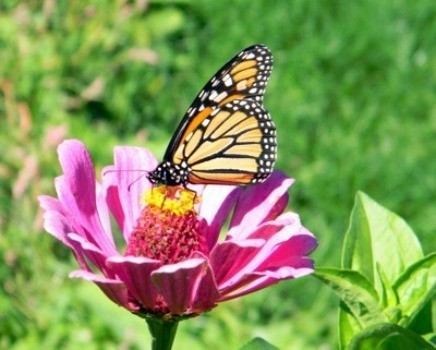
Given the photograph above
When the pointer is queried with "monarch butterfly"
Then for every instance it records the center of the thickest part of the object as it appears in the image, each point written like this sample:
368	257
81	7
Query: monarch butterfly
226	137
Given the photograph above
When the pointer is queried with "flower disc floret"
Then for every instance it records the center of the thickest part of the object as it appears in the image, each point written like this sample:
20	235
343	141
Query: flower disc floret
168	228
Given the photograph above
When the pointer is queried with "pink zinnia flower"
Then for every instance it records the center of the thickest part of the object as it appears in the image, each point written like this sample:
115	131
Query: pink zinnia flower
174	263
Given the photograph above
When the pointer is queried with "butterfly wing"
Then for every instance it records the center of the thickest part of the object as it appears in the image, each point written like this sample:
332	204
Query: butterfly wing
244	77
235	144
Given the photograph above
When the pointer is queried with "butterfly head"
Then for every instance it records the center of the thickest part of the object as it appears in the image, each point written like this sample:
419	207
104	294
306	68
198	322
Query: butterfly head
168	173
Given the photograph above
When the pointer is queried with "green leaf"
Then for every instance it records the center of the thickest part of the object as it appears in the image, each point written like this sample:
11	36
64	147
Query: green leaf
430	337
377	235
258	344
422	323
389	298
356	292
388	337
415	288
348	326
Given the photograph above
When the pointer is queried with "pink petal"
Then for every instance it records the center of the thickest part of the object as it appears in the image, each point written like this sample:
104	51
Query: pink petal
228	257
277	237
218	201
115	290
295	262
269	228
103	212
133	163
95	255
301	266
112	198
207	290
282	257
58	223
135	272
187	286
265	231
301	243
260	203
77	191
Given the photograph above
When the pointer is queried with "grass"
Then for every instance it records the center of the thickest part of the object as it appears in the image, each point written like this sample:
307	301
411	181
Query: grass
352	94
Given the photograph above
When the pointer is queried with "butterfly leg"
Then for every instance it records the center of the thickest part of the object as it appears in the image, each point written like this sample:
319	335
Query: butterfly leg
188	189
165	197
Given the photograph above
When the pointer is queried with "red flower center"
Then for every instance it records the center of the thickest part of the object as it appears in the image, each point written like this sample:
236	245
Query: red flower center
168	228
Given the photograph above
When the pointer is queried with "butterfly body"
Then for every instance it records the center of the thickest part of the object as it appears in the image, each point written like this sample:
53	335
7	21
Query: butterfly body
169	174
227	136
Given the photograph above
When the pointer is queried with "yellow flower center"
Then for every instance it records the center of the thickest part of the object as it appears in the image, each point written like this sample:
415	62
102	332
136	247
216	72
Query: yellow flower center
175	200
168	228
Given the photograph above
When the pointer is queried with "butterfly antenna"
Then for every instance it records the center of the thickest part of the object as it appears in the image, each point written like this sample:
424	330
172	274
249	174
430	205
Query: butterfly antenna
135	181
144	173
124	170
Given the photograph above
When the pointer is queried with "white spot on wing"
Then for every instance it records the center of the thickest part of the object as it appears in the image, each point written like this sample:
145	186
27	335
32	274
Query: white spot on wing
212	95
221	96
227	80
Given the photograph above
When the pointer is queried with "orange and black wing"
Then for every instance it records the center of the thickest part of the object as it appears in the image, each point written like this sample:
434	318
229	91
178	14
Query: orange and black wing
243	78
234	144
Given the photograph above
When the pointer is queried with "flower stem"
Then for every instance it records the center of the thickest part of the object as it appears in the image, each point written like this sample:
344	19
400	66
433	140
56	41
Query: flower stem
162	333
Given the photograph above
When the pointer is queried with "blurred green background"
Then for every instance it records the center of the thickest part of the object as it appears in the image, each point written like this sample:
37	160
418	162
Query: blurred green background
352	93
